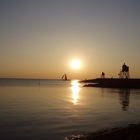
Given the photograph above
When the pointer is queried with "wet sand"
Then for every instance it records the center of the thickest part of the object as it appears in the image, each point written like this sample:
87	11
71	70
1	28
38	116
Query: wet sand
132	132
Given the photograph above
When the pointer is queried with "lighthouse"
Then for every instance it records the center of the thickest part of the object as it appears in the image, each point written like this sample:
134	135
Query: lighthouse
124	72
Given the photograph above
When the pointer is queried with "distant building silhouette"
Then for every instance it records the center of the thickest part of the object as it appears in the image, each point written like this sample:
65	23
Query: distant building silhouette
124	72
102	75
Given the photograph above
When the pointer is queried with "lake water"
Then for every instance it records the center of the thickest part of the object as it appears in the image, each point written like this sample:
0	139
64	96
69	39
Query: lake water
52	109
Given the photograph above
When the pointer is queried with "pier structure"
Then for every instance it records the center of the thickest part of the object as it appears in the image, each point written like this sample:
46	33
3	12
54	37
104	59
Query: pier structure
124	72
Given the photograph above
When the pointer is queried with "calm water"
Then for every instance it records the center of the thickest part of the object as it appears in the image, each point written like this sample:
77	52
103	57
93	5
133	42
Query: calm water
51	110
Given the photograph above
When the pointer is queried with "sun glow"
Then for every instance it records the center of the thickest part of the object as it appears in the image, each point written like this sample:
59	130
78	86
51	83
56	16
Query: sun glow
75	64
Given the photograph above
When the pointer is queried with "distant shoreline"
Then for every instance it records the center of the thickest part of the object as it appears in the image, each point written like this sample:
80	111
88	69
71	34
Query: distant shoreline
28	79
112	83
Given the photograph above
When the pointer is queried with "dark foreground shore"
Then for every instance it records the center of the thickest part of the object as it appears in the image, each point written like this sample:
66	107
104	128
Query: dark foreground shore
132	132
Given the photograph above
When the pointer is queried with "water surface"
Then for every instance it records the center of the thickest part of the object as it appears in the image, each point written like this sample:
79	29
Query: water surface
53	109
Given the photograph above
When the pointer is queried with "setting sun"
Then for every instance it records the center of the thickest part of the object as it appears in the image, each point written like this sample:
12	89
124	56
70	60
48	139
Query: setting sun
75	64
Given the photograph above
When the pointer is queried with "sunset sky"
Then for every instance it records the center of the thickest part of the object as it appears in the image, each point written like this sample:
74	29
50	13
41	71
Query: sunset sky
40	38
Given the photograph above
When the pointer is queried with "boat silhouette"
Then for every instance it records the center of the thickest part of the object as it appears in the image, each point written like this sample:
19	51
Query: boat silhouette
64	77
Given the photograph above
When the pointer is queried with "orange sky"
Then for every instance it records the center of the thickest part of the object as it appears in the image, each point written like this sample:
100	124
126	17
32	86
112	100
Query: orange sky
38	40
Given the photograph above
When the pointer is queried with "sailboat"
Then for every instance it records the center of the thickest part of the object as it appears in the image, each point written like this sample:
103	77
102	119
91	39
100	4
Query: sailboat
64	77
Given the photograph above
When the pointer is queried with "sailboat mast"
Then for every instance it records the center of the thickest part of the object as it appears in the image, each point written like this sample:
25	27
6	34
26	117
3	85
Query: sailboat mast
65	77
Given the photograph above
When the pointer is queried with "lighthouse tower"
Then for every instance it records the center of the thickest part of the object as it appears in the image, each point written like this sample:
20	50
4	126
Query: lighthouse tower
124	72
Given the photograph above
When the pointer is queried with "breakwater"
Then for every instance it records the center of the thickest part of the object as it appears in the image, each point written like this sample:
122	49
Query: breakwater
112	83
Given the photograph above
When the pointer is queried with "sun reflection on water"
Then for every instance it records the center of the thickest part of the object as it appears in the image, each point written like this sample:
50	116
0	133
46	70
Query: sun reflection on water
75	91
